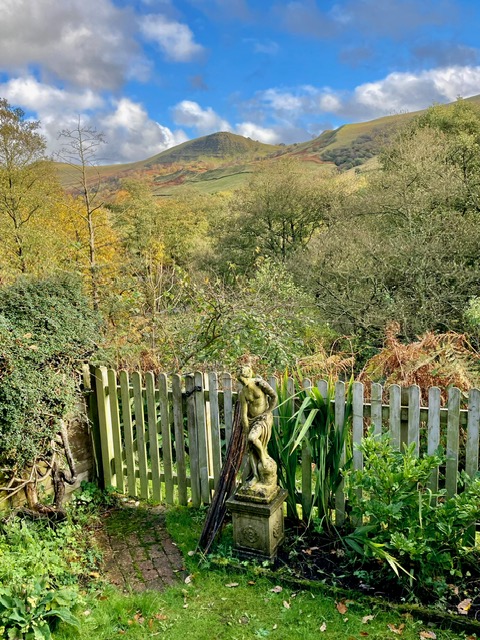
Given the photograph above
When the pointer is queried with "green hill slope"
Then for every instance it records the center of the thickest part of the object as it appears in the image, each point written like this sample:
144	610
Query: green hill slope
223	161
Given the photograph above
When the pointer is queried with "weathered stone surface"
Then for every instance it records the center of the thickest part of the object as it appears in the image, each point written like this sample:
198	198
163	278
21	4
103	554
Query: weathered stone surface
258	528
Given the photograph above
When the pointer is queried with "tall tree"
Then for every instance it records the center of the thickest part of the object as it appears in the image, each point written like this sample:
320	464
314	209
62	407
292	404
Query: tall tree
81	153
27	186
407	247
274	216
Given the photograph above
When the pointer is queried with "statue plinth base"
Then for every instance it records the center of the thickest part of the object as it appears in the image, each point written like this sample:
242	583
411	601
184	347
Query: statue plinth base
258	527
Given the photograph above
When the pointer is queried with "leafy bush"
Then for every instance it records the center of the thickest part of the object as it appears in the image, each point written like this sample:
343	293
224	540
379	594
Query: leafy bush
42	568
405	525
29	613
46	327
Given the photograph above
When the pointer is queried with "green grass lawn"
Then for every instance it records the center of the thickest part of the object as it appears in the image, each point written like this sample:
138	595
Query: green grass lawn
227	604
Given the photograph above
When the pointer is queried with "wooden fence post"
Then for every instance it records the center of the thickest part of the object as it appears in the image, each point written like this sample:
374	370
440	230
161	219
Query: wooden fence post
128	433
88	376
116	436
193	441
105	423
177	401
140	433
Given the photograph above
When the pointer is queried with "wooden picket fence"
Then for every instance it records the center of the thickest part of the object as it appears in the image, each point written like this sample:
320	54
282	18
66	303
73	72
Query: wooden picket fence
164	438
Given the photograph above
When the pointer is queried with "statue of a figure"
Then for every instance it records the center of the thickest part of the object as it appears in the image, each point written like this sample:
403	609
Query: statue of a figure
257	401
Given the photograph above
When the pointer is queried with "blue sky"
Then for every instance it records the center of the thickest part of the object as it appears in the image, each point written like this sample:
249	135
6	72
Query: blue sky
150	74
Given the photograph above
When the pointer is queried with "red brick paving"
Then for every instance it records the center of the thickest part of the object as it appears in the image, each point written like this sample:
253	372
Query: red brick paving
142	561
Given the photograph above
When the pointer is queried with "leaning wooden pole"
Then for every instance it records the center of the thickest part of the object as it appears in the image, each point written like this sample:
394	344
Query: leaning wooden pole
226	483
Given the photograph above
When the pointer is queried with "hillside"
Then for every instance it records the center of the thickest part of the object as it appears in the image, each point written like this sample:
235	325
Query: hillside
223	161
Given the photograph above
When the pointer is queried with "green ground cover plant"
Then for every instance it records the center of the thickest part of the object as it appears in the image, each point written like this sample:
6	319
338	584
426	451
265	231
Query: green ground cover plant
417	538
45	571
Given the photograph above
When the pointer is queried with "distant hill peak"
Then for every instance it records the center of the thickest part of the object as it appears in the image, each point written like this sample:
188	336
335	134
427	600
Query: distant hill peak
222	144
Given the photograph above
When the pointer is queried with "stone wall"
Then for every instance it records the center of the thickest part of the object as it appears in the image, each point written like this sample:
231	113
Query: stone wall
80	437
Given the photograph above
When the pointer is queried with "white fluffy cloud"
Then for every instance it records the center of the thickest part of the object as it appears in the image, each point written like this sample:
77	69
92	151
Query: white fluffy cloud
130	133
256	132
175	39
399	91
205	120
88	43
190	114
410	92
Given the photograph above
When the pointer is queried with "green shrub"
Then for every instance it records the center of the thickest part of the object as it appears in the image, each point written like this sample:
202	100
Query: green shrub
405	525
30	613
46	327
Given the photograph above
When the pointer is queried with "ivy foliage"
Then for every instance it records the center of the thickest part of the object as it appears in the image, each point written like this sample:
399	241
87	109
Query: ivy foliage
46	328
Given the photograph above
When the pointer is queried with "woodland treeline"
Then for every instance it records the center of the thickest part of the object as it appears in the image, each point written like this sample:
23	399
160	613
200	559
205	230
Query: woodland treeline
335	273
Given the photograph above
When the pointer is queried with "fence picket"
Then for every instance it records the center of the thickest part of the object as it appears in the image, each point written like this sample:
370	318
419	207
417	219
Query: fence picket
152	421
179	438
192	441
395	421
117	478
339	419
471	445
215	427
88	376
357	430
128	433
140	433
453	424
166	438
376	407
471	454
130	452
433	431
202	441
227	405
105	424
414	416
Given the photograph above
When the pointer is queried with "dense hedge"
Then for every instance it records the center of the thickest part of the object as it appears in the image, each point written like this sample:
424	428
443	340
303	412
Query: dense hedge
46	329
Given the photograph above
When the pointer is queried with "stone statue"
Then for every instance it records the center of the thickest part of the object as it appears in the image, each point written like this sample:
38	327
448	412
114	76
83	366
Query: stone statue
257	401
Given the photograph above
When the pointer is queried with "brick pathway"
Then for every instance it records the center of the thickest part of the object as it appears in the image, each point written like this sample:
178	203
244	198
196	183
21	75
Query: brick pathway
145	556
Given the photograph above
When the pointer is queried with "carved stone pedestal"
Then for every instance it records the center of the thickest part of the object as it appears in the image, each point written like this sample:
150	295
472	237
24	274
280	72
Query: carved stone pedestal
257	527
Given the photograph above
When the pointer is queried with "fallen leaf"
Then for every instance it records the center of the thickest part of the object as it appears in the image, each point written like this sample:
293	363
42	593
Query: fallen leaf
463	607
160	616
323	626
232	584
244	620
286	604
188	579
191	553
277	589
364	634
27	335
398	630
428	634
342	607
251	582
274	627
94	574
366	619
